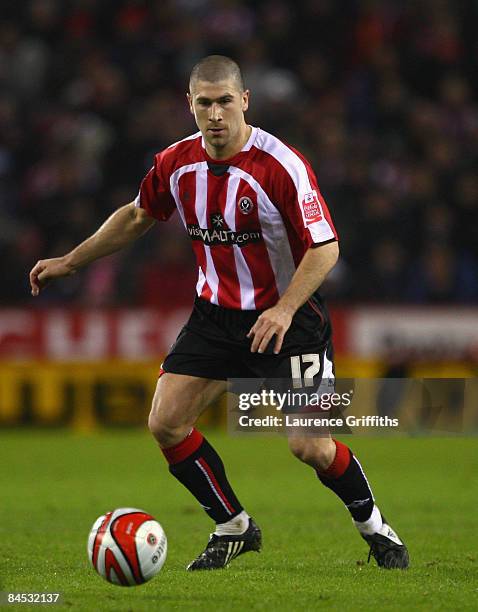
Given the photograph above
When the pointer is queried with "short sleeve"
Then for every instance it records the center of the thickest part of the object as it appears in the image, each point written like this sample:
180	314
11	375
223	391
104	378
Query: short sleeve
154	193
300	200
310	207
316	216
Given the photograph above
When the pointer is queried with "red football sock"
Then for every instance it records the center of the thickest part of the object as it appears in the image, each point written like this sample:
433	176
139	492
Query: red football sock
345	478
196	464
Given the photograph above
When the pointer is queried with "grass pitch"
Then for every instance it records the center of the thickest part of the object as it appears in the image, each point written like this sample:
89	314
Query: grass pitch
55	484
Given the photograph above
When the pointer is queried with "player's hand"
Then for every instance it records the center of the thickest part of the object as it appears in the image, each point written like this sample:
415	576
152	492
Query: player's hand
46	270
272	322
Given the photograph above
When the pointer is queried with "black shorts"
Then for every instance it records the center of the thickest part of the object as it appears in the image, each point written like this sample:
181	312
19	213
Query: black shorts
213	344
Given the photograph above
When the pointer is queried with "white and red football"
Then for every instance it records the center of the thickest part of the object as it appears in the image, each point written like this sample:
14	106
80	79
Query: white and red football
127	546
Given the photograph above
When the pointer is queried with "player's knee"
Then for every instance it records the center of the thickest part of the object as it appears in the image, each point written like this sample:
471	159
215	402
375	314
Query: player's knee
165	426
318	453
166	431
300	448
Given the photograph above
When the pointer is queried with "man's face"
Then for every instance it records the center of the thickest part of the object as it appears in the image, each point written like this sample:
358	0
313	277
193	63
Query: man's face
219	110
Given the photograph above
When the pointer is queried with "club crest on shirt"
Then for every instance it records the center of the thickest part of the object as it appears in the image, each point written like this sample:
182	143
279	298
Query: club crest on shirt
311	207
245	205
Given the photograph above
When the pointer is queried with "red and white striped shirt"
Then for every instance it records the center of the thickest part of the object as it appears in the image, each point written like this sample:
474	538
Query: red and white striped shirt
251	217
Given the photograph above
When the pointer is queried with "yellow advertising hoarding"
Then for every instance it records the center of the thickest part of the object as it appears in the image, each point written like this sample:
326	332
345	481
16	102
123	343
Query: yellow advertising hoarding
87	395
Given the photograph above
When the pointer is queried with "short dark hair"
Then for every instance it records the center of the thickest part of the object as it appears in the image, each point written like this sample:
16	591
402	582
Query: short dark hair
215	68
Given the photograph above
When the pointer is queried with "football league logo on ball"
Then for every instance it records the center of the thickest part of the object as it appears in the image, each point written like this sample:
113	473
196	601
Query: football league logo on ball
245	205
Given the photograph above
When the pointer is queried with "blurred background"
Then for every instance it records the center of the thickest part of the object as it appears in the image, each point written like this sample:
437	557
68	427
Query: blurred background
381	96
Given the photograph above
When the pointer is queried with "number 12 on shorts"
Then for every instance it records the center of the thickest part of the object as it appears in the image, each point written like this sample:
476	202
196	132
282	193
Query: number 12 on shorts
296	369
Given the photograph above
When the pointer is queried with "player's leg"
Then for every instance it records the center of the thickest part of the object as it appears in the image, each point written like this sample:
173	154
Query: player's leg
308	353
339	470
178	402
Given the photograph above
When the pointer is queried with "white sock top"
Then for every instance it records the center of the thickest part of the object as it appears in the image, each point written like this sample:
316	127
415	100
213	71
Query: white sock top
372	525
236	526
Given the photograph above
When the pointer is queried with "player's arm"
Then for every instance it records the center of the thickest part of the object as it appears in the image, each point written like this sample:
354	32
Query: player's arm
122	227
310	274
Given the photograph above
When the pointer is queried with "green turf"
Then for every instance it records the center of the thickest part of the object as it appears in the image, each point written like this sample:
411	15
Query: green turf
54	484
